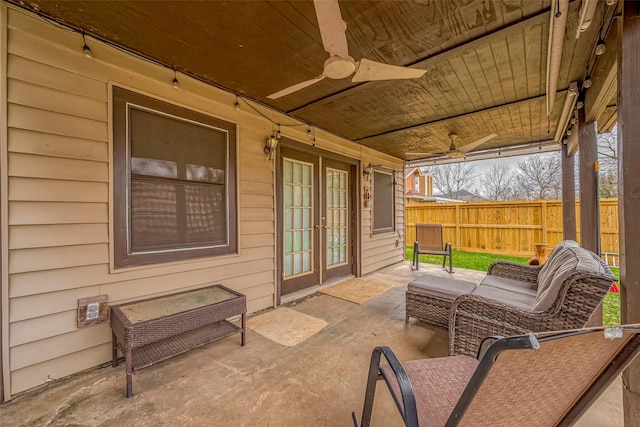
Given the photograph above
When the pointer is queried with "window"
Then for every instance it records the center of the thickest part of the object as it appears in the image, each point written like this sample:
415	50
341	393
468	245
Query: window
383	201
416	184
174	182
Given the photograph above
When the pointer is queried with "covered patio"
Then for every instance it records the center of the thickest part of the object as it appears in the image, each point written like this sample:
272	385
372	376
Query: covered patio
317	382
291	177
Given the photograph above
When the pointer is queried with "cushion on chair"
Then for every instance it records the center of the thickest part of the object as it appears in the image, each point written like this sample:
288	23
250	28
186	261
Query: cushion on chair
565	260
510	284
441	287
512	296
437	383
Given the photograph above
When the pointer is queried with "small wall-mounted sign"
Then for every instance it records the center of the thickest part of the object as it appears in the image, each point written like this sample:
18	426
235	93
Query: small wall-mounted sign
92	310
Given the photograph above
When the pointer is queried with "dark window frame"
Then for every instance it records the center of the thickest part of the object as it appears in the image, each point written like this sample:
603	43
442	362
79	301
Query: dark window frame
384	211
123	101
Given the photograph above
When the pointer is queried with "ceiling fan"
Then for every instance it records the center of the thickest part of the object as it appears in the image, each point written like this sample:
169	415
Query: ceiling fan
340	65
458	153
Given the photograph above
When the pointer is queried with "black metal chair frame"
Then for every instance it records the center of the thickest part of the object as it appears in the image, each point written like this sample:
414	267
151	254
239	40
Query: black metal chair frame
489	351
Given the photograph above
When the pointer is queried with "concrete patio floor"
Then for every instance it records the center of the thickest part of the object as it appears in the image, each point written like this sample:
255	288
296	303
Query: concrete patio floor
318	382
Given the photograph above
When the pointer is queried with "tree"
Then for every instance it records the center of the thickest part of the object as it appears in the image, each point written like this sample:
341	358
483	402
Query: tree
453	178
608	159
539	177
497	183
608	151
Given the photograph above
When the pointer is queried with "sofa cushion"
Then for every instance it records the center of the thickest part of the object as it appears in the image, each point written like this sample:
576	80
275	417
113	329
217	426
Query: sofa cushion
440	287
512	296
511	284
565	260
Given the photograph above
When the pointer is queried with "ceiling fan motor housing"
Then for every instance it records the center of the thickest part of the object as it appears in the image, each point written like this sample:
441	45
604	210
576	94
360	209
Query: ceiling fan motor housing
339	68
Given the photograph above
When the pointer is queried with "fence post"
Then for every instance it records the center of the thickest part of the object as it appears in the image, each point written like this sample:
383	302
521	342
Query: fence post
544	222
458	220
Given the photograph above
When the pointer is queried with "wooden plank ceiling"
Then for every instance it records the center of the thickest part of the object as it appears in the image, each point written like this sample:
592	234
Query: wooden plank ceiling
485	62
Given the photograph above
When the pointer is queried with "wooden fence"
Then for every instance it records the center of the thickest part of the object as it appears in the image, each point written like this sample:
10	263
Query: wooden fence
509	228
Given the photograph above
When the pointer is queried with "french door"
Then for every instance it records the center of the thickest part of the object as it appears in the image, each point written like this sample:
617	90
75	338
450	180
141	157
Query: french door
316	207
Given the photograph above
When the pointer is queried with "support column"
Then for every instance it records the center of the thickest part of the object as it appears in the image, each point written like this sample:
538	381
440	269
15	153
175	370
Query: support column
629	190
568	196
589	204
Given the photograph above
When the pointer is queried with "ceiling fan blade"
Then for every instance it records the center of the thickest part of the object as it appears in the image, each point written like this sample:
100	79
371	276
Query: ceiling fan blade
465	149
332	27
371	70
295	88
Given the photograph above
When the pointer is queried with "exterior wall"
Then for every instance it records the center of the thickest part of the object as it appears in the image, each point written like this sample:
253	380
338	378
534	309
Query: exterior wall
59	193
384	249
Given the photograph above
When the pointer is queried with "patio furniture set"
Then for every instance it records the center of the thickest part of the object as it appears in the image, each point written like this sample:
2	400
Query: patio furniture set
513	298
548	371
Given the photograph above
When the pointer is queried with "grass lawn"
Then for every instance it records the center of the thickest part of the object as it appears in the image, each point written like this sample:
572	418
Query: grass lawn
482	261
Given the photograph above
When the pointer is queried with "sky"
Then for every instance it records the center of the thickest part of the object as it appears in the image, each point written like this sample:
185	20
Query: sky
484	165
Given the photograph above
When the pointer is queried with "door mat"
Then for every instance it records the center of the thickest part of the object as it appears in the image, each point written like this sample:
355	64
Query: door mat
357	290
285	326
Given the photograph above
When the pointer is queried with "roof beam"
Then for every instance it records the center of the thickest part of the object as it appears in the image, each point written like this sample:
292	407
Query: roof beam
460	116
544	146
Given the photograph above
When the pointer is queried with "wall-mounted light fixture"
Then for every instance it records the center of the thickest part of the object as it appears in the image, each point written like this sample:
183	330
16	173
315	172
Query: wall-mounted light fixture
271	144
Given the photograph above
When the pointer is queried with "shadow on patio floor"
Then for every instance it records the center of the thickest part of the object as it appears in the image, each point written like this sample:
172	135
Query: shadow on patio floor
317	382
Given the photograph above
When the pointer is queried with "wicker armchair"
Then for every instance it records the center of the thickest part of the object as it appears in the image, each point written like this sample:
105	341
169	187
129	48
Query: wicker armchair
474	317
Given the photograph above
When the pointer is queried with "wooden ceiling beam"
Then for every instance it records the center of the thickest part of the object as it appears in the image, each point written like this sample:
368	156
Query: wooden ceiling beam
460	116
538	19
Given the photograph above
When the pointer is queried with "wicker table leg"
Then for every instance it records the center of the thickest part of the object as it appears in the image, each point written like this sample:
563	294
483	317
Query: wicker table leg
129	372
244	329
114	342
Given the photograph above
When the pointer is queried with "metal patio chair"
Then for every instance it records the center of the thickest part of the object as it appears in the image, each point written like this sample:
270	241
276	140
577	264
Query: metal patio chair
430	241
544	379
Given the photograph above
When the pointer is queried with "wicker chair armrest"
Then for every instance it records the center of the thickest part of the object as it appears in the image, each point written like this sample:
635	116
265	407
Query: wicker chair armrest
515	271
473	318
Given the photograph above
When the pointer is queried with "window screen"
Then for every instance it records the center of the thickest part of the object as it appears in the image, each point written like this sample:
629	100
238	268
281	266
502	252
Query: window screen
174	181
383	201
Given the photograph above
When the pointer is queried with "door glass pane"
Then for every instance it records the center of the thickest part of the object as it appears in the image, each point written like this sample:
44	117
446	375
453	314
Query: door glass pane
337	214
288	241
298	217
288	172
306	218
288	265
297	263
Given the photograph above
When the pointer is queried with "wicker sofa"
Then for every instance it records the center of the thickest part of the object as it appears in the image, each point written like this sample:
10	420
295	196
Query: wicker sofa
514	298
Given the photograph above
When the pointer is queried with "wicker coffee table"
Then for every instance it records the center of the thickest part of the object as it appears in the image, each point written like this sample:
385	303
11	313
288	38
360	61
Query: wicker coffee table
154	329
